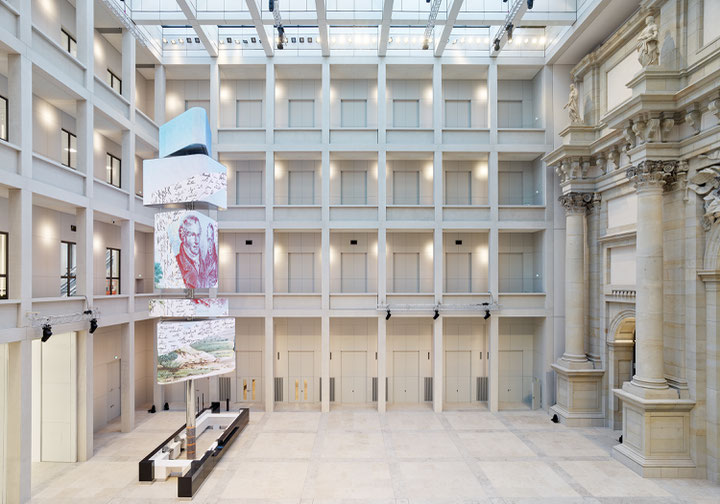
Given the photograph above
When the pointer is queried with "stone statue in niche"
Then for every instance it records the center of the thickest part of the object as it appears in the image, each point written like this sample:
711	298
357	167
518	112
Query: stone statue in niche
572	105
647	43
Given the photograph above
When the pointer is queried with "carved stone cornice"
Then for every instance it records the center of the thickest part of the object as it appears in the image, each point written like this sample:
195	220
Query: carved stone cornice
576	202
650	173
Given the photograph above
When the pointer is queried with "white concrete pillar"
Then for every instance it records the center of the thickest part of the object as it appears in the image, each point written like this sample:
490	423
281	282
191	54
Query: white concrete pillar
128	69
19	427
269	364
127	171
127	377
269	106
382	105
437	104
85	383
382	363
438	374
20	127
325	103
325	362
85	32
159	105
492	84
214	102
649	179
493	361
19	245
576	205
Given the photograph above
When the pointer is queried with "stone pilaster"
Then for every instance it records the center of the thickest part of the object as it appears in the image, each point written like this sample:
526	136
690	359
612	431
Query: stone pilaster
656	422
578	384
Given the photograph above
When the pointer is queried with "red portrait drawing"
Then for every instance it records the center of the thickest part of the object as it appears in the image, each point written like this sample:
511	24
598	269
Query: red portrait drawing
198	270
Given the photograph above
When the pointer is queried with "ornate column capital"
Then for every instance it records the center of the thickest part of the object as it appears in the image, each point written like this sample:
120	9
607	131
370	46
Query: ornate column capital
576	202
651	174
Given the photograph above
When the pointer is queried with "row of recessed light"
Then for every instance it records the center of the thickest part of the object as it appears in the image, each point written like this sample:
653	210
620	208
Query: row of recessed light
181	40
254	40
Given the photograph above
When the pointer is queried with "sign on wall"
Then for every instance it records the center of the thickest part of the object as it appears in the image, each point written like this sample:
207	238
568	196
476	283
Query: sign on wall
186	250
195	348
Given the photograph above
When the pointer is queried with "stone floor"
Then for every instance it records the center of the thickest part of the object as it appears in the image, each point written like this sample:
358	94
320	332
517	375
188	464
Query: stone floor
353	456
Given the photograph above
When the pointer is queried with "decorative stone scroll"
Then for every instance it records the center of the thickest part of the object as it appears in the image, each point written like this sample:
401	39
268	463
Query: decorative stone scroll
652	173
706	183
576	202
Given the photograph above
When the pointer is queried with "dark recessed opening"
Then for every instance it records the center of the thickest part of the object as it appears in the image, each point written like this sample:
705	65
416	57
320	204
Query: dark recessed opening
248	242
73	227
458	242
353	242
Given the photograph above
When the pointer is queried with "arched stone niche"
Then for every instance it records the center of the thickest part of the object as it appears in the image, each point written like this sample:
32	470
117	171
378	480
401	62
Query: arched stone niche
621	349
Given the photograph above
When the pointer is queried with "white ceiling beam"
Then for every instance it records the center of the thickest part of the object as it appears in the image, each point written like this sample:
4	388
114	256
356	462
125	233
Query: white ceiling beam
191	15
514	16
447	29
256	16
322	26
385	27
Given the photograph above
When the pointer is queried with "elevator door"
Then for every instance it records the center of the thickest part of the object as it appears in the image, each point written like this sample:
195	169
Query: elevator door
300	376
249	376
511	376
405	376
457	376
354	376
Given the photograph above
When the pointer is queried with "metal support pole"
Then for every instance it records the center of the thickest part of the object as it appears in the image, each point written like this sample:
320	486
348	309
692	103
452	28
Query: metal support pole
190	419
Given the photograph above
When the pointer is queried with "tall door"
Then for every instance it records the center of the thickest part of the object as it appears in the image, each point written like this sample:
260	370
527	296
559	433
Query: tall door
301	374
354	376
406	377
113	392
511	376
249	376
457	376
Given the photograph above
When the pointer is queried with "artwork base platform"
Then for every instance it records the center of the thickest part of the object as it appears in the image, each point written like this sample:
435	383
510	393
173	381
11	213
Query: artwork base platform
578	394
656	436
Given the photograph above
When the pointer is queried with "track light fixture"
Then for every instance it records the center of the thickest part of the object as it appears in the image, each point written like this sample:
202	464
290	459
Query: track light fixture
437	314
496	44
509	29
281	37
47	332
530	4
487	315
387	317
93	325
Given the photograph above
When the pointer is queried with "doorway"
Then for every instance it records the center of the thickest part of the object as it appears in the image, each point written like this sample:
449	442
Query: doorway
458	376
353	368
301	367
406	376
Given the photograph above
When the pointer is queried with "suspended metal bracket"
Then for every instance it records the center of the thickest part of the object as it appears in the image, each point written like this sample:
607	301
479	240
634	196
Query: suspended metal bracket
434	8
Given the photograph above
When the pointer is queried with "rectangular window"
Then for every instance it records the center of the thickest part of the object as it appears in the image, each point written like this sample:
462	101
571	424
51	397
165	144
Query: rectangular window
458	188
353	187
457	113
353	113
114	82
353	267
3	118
406	272
301	272
68	268
112	170
301	113
301	188
3	265
406	113
510	272
406	187
510	114
112	271
69	149
458	272
249	114
249	272
68	42
249	187
510	188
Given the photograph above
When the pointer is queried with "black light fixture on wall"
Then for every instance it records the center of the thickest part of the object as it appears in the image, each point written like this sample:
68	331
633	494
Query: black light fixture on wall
47	332
387	317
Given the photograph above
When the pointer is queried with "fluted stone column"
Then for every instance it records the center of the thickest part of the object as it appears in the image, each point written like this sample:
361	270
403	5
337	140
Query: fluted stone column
578	385
656	421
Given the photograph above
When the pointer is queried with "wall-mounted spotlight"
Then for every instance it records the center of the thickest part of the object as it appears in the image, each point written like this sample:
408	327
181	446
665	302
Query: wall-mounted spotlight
229	40
47	332
281	37
437	314
293	39
487	314
530	4
197	40
253	39
189	40
496	44
509	30
387	317
93	325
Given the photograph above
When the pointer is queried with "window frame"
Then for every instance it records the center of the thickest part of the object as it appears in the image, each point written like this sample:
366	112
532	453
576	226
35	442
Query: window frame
109	267
456	102
112	77
70	40
6	265
67	148
71	252
249	102
298	101
353	101
7	113
109	158
406	101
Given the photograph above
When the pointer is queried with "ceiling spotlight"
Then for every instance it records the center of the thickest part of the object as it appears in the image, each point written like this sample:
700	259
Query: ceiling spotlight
437	314
293	39
530	4
173	42
487	314
462	40
244	41
509	29
189	40
221	41
526	41
237	40
197	40
253	39
543	40
389	40
181	41
454	41
164	40
93	325
229	40
309	40
496	44
405	40
281	37
387	317
302	40
47	332
426	44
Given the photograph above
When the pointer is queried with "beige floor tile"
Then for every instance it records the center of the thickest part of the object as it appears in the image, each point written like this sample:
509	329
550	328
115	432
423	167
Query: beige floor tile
423	445
609	478
495	445
282	445
438	480
564	443
353	421
267	480
470	420
412	420
358	445
353	480
293	422
525	479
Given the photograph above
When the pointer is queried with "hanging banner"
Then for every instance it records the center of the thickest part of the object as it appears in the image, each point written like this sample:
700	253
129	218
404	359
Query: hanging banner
186	251
194	349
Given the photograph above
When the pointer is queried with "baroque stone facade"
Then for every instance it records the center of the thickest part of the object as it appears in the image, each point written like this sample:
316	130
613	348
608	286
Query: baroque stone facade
647	148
